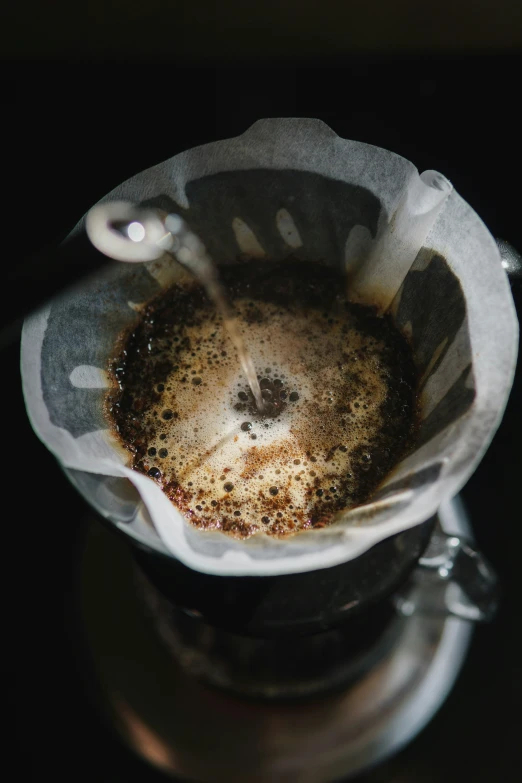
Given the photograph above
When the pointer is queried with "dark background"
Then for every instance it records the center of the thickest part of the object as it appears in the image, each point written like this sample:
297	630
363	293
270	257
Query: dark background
72	130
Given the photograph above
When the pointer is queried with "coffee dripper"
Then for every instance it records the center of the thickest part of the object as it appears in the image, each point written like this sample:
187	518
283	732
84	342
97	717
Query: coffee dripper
372	629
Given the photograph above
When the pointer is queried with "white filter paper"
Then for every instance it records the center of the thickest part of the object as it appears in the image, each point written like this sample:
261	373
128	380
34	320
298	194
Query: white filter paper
289	186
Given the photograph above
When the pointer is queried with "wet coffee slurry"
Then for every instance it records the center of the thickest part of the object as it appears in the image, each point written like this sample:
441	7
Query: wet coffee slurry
338	385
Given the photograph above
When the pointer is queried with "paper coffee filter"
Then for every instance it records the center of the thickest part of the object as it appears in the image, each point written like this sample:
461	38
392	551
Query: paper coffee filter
289	186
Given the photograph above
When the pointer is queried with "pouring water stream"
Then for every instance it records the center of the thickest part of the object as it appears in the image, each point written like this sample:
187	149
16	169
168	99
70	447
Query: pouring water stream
129	234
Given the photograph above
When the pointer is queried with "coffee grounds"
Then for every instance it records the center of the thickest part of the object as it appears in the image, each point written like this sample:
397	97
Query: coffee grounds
337	380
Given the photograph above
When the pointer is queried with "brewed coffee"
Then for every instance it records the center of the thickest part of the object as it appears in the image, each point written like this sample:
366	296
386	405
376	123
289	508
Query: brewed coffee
338	384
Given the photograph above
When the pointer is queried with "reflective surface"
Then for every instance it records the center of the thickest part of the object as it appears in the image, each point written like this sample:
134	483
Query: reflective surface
200	733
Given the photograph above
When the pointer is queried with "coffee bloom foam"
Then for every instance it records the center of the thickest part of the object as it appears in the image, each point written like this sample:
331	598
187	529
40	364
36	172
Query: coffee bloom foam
229	468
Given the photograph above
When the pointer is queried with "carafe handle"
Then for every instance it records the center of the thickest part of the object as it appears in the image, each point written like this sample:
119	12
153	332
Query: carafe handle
451	578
